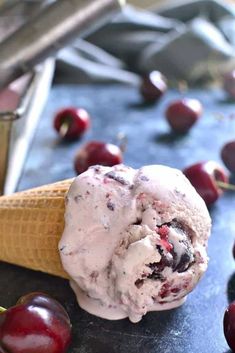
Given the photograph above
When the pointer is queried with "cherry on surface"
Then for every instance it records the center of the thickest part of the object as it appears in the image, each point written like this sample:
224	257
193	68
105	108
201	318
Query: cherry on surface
229	83
228	155
96	152
208	178
71	123
229	325
233	250
182	114
153	86
36	324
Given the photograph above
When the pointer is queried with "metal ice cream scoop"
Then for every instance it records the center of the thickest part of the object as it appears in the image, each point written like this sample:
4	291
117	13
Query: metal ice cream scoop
53	28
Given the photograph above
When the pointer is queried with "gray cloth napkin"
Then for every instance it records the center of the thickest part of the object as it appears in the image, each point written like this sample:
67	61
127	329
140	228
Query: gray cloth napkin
192	40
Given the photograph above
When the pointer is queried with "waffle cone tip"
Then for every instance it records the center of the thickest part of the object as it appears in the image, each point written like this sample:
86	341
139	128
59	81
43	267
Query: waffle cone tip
31	225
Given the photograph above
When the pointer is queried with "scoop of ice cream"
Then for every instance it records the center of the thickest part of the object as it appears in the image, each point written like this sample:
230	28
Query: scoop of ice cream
134	240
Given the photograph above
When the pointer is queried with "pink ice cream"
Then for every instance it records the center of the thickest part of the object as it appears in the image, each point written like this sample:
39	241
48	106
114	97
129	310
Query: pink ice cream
134	240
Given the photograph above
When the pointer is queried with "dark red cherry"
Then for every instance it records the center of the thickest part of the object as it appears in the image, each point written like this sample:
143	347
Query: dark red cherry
229	84
71	123
208	178
228	155
229	325
153	86
233	250
183	114
36	324
96	152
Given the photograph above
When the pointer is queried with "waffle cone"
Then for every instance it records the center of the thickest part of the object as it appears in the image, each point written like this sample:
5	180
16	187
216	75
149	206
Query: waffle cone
31	224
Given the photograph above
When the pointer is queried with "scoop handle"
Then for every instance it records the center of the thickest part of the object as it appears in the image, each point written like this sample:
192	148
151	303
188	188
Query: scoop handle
52	29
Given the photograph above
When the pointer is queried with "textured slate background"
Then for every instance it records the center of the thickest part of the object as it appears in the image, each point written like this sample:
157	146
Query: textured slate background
196	327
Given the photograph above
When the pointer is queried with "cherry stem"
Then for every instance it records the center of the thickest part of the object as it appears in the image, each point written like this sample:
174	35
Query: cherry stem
2	309
64	128
225	186
122	141
182	86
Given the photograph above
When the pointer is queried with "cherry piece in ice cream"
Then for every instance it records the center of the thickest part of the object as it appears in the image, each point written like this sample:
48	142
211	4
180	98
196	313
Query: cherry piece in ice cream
229	83
153	86
71	123
36	324
183	114
229	325
228	155
207	178
96	152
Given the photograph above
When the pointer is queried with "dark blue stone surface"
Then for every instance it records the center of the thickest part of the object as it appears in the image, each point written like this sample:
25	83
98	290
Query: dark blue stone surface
196	327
